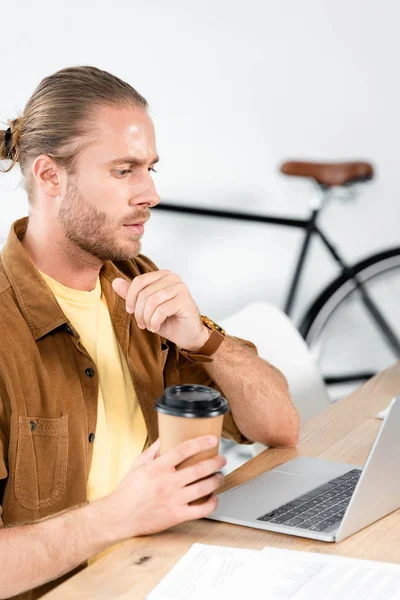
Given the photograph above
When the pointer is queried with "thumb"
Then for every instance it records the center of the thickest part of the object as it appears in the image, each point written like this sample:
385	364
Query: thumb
148	455
121	286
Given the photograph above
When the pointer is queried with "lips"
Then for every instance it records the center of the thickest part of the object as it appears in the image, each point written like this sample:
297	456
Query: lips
137	228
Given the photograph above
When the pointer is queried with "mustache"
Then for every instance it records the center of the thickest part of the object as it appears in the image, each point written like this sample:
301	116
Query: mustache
138	217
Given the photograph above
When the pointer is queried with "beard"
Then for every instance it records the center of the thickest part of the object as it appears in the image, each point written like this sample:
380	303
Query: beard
93	231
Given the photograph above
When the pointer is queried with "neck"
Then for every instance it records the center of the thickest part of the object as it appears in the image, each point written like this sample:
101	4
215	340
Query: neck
58	257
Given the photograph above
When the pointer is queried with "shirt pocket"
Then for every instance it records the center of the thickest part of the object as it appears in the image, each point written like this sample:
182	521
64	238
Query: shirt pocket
42	461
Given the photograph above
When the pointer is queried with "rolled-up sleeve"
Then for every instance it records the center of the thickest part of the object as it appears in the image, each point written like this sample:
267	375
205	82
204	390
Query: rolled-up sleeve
194	372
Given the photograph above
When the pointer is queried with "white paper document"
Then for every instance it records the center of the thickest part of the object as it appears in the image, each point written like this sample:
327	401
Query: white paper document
291	575
216	573
201	570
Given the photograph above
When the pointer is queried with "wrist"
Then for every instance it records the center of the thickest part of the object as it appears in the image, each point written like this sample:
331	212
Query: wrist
214	335
203	338
106	518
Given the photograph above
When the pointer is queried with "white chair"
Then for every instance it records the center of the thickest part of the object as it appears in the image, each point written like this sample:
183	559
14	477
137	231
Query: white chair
279	342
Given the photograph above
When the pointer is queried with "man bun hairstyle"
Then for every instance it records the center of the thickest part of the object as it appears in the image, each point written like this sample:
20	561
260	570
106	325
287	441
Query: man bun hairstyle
9	142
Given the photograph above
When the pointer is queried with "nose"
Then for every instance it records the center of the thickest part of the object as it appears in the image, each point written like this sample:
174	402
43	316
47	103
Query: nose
148	196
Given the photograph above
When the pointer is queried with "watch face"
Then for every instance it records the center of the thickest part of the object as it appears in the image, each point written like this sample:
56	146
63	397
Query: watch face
211	324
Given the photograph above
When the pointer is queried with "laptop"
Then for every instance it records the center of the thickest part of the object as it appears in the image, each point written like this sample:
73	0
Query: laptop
320	499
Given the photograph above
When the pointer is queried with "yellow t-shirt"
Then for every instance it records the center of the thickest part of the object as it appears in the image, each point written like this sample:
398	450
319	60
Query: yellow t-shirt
121	431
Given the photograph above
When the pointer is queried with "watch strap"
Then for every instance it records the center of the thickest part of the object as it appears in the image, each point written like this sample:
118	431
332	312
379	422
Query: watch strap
204	353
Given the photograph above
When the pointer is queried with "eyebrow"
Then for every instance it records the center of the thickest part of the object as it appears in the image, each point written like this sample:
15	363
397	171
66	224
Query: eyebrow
131	160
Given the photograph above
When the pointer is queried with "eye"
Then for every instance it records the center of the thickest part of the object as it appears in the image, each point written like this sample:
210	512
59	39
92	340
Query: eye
122	172
152	169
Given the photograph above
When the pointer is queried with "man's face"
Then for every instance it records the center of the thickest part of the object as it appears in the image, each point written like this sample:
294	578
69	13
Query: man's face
112	186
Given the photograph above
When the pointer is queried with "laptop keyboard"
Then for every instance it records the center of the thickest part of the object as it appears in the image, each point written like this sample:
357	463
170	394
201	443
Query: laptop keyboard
319	509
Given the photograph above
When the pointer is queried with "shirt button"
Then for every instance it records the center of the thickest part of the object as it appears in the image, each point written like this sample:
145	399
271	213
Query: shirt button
92	437
33	425
89	372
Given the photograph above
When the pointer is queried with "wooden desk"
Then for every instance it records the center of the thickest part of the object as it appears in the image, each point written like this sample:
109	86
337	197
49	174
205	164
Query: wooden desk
344	432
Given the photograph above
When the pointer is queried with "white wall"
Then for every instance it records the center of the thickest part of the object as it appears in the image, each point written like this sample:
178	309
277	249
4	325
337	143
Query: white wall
234	88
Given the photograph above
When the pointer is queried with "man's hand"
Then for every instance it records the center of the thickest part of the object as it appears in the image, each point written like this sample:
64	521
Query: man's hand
162	304
154	495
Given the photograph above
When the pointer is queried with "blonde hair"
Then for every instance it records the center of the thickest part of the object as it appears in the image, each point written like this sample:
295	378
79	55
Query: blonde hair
59	112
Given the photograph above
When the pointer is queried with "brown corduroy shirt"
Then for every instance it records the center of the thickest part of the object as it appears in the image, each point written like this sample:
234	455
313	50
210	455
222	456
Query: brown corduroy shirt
49	387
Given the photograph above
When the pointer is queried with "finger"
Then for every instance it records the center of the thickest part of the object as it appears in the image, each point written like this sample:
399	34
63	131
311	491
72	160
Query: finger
140	283
202	488
163	311
149	454
199	511
202	469
156	312
149	299
121	286
187	449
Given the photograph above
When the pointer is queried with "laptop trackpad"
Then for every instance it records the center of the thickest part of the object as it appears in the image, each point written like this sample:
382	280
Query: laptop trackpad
276	487
262	495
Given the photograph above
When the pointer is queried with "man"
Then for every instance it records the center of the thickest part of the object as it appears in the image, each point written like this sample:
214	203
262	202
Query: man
91	334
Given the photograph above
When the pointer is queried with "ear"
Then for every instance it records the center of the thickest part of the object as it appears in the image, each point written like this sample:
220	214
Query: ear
48	175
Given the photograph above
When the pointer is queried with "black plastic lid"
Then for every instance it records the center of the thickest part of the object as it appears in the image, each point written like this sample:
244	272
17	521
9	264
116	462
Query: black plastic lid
192	400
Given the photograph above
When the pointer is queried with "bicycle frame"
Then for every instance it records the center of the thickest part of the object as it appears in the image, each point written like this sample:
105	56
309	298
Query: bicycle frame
310	227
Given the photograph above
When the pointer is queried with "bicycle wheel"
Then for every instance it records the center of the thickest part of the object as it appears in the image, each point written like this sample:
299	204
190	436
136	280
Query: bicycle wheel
343	337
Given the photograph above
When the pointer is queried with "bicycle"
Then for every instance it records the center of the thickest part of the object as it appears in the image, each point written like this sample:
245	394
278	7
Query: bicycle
334	317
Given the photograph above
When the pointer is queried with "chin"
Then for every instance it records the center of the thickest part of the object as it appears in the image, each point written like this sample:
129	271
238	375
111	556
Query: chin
129	251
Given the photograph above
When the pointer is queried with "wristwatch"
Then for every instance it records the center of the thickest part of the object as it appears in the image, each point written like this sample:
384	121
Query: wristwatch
213	343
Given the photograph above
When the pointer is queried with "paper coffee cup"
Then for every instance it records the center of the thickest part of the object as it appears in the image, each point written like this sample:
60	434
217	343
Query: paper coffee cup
188	411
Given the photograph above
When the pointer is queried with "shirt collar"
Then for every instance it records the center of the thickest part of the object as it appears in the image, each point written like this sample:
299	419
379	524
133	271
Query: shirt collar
37	302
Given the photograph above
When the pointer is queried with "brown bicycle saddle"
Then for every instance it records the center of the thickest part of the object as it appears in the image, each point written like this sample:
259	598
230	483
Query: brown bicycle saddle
330	173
